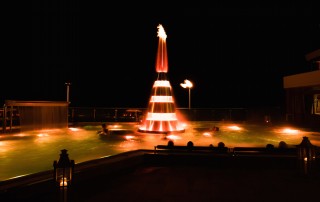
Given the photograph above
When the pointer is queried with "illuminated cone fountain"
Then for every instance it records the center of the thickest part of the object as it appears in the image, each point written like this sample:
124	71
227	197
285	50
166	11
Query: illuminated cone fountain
161	116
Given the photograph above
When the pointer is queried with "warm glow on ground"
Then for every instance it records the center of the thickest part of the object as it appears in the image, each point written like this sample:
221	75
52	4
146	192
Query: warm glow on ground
129	137
74	129
42	135
173	137
288	131
234	127
206	134
21	135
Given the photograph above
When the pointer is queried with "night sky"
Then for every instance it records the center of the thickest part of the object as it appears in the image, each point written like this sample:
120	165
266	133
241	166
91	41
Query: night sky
236	55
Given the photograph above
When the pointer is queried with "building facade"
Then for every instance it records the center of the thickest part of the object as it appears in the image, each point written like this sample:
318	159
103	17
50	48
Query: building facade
303	94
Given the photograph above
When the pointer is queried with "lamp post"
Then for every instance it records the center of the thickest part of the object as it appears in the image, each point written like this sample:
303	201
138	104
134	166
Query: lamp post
63	170
189	85
306	156
68	84
63	174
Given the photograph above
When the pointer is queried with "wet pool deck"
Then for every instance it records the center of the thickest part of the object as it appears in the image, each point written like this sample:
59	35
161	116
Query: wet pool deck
180	176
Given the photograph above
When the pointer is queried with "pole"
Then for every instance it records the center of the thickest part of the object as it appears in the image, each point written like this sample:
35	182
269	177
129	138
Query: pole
68	90
4	118
187	84
68	93
68	101
189	98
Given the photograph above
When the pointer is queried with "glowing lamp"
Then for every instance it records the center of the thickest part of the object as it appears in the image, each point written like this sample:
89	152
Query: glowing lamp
306	150
63	170
306	156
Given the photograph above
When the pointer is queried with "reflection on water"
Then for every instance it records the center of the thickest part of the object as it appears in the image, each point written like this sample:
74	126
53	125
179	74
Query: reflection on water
35	151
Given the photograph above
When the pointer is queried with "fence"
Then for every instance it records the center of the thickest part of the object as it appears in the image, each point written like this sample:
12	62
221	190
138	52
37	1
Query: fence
100	114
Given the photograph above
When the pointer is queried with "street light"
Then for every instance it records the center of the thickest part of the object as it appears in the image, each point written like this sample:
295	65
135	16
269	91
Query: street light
188	84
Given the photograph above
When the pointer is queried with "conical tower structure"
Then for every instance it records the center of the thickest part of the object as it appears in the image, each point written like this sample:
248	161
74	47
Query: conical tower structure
161	116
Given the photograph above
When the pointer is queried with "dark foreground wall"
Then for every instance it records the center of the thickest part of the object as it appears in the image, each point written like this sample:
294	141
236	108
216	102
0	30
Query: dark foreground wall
167	176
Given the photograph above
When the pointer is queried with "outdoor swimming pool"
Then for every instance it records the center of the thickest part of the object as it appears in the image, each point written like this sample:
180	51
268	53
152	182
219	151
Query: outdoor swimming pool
34	151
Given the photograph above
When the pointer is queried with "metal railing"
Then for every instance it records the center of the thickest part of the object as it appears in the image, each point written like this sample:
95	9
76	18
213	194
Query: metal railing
81	114
10	117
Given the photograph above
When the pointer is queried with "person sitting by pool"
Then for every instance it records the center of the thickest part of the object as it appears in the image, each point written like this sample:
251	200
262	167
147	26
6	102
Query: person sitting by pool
214	128
104	130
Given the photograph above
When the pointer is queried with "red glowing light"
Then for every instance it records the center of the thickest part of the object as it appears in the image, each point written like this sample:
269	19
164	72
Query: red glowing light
161	116
162	58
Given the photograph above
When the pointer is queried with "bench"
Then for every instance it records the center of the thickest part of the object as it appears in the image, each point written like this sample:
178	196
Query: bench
192	148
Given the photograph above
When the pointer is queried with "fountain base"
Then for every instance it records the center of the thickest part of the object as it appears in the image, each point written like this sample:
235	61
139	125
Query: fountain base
161	132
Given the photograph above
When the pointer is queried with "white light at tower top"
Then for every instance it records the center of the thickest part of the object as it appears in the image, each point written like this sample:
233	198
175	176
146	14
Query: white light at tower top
161	33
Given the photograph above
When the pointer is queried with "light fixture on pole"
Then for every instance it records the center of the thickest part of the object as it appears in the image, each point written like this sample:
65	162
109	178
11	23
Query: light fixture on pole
189	85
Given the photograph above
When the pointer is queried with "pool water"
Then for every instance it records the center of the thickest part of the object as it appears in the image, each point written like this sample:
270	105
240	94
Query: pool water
30	152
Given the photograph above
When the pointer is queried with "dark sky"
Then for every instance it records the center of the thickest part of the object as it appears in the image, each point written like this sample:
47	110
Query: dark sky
236	55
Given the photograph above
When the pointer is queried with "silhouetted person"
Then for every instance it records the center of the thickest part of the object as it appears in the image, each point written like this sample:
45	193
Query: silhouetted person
105	130
214	128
